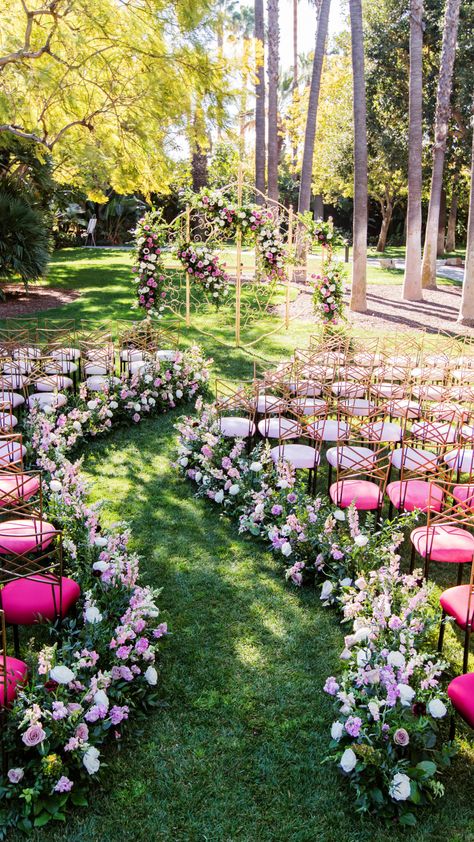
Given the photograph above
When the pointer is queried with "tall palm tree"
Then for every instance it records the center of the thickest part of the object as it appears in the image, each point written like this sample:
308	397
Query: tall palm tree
304	200
412	290
294	87
359	224
260	145
443	113
272	73
466	311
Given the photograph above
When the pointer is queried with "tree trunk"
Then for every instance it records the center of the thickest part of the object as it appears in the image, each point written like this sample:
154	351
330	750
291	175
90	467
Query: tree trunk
466	311
359	220
272	73
310	131
412	290
318	207
452	219
441	224
387	211
260	148
294	151
443	111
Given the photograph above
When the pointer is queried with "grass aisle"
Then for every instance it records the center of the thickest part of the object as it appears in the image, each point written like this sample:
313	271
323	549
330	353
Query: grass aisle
235	752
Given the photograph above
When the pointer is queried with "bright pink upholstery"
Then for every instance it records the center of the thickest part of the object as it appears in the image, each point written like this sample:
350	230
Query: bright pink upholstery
454	602
415	494
464	494
17	487
298	455
236	428
28	601
16	672
461	693
25	536
365	495
444	542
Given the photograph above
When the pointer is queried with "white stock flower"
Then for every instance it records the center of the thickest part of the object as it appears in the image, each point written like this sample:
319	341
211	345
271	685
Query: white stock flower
219	496
101	698
92	405
286	549
113	404
92	614
91	760
61	674
256	467
396	659
100	541
326	589
184	462
400	788
55	485
363	657
337	730
151	676
437	708
348	760
361	540
234	489
77	426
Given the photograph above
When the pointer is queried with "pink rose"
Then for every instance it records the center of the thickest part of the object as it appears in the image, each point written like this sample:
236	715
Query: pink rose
33	735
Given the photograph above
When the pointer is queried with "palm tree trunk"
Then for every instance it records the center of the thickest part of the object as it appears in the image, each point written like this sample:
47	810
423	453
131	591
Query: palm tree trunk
441	225
412	290
272	73
294	151
452	218
443	112
260	147
359	222
310	131
386	208
466	311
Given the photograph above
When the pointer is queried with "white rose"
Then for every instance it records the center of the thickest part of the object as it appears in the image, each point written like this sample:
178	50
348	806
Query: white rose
92	614
396	659
400	787
76	425
337	730
363	657
234	489
256	467
286	529
326	589
151	676
113	404
198	476
374	710
348	760
55	485
101	698
62	674
286	549
91	405
437	708
100	541
91	760
407	694
179	393
100	566
361	540
184	462
219	496
339	515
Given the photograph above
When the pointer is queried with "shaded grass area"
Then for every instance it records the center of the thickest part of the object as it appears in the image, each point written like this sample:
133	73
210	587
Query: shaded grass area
234	752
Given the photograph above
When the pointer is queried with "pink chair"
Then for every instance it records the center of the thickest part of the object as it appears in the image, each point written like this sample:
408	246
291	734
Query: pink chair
13	672
445	538
461	694
458	603
361	479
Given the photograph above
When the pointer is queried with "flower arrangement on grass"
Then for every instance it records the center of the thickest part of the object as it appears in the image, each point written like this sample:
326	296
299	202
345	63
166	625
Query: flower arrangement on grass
387	737
328	296
97	672
148	263
205	269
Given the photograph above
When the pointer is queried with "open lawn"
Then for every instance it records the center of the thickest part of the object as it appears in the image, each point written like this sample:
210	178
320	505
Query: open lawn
234	752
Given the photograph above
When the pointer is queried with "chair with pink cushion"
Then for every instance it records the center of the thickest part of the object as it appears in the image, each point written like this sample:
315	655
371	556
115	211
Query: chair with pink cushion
12	452
13	672
458	604
361	477
302	452
235	407
21	493
461	695
446	538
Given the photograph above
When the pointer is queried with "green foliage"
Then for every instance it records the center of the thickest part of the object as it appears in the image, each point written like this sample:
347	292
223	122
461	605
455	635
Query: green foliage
24	237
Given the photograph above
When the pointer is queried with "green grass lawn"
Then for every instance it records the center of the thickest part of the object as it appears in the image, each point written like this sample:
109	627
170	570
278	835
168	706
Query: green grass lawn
234	752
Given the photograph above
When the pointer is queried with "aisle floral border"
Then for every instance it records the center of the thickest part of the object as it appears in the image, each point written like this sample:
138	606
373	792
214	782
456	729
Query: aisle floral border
386	738
84	686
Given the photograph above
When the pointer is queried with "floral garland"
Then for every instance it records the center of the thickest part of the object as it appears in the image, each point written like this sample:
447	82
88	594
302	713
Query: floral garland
148	264
319	231
205	269
328	296
253	221
386	739
85	686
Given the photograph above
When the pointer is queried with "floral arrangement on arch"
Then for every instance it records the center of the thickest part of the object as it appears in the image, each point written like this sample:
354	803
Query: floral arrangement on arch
205	269
148	263
388	737
255	222
319	232
328	295
98	673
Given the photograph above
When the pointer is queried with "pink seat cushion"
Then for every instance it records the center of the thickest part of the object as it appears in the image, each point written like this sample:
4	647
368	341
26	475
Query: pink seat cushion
454	603
464	494
444	542
25	536
415	494
239	428
385	431
461	693
17	487
351	457
279	428
329	430
15	675
414	459
365	495
28	601
11	452
298	455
